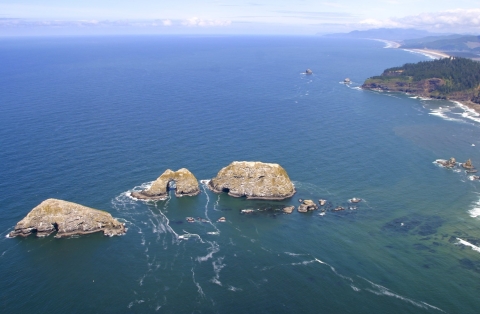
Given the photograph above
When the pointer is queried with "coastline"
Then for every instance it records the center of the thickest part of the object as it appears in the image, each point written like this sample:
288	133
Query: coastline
433	54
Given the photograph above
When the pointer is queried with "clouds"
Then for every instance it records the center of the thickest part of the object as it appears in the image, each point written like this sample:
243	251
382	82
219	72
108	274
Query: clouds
464	20
192	22
198	22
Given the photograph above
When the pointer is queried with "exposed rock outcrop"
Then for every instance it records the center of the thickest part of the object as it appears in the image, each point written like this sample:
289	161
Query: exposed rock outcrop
307	205
254	180
448	163
288	209
186	184
66	218
468	164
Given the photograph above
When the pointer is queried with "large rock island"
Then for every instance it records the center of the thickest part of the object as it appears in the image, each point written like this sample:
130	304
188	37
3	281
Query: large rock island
66	218
185	182
456	79
254	180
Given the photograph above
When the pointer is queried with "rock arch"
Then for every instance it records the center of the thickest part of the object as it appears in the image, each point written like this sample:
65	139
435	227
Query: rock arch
185	181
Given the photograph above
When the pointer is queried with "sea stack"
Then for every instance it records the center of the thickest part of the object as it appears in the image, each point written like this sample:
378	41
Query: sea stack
185	181
66	218
468	164
254	180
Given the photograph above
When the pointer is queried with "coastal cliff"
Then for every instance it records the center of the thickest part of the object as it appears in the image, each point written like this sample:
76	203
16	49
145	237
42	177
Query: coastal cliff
456	79
254	180
185	181
66	218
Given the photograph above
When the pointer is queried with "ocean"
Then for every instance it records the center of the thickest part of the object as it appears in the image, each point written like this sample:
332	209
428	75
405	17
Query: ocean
90	119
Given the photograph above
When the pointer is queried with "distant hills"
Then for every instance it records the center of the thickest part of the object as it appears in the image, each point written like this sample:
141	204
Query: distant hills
395	34
459	45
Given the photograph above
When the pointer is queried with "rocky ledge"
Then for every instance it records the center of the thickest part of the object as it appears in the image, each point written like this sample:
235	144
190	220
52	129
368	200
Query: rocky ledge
66	218
185	181
254	180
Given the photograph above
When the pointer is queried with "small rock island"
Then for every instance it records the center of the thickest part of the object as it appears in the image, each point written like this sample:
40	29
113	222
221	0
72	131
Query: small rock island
307	205
185	181
66	218
254	180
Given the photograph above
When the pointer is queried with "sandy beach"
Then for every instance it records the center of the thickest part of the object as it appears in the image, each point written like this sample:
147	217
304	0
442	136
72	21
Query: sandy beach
434	54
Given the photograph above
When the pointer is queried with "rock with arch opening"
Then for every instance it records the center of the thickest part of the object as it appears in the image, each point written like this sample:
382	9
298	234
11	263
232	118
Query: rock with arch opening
254	180
66	218
185	181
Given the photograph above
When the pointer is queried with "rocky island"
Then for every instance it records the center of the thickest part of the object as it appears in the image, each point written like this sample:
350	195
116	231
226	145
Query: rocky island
253	180
456	79
185	181
66	218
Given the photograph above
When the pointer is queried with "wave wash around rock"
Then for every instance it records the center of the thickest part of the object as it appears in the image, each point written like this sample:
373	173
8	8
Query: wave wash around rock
186	184
254	180
66	218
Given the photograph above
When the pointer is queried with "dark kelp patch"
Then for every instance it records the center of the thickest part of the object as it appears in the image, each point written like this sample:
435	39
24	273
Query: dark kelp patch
417	225
470	265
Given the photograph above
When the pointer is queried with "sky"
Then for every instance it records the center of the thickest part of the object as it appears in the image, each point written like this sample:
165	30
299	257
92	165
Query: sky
299	17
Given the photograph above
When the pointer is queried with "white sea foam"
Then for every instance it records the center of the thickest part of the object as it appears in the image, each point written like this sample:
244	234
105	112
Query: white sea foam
355	288
200	290
206	210
442	113
294	254
381	290
303	263
214	248
468	113
475	211
234	289
463	242
217	268
205	182
187	236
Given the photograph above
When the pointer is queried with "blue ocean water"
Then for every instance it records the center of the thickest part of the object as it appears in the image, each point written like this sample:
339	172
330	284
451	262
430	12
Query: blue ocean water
89	119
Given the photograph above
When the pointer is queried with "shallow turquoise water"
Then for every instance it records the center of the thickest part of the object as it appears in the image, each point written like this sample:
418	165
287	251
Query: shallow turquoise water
89	119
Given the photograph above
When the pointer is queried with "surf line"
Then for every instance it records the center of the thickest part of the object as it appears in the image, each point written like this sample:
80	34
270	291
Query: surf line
474	247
